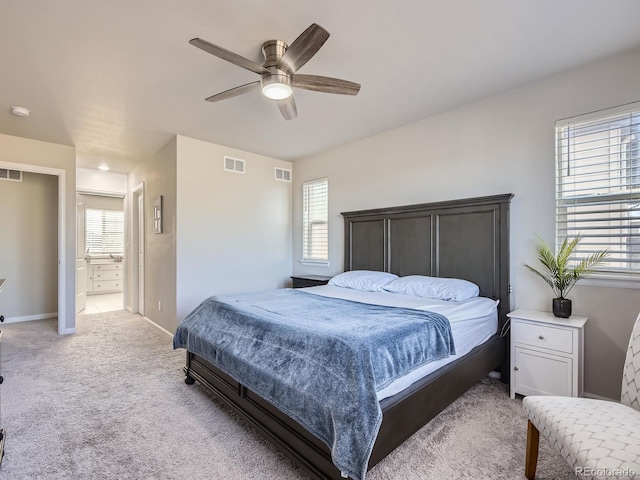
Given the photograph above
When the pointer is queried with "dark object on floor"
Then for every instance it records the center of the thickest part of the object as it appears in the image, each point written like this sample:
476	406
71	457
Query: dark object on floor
2	434
2	437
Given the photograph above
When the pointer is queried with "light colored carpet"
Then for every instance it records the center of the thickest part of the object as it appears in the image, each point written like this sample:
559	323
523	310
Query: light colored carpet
110	403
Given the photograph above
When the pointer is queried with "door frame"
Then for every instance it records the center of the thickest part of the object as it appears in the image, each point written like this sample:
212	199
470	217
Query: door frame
137	192
81	262
62	257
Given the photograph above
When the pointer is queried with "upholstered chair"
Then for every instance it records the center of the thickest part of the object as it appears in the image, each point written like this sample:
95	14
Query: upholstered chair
599	439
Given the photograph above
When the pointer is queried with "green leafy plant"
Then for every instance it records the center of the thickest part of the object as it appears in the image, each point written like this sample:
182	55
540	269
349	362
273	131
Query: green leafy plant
557	272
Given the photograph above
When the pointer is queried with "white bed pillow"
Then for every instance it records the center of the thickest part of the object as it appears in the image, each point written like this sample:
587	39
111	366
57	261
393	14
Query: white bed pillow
433	287
365	280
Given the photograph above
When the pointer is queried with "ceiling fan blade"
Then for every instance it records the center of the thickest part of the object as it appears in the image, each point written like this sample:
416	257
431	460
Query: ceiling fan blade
234	92
303	48
227	55
318	83
288	108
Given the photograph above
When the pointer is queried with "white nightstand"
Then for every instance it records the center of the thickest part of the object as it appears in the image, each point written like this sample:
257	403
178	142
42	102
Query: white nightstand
546	354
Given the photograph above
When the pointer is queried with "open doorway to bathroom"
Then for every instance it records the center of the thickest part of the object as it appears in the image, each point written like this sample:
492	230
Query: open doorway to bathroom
100	258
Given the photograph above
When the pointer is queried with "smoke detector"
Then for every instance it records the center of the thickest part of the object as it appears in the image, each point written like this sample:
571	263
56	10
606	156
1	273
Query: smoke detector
20	111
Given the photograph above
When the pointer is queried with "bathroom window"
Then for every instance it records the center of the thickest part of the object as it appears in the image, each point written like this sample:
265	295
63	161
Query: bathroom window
104	231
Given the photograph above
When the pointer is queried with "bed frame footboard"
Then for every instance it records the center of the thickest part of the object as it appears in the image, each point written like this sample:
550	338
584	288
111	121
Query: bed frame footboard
403	414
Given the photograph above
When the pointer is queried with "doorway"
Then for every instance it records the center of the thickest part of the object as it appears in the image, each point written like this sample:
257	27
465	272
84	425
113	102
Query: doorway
100	252
65	325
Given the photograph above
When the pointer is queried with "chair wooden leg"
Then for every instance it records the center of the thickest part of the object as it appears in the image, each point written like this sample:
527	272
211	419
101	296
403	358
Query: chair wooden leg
533	440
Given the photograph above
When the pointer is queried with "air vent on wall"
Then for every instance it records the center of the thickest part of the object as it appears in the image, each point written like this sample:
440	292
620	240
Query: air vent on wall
12	175
283	174
233	165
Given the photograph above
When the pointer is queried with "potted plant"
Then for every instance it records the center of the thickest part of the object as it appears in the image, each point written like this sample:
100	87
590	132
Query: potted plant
560	275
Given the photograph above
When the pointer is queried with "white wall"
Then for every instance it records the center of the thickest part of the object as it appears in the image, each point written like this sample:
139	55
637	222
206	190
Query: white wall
158	174
16	150
101	202
501	144
98	181
234	230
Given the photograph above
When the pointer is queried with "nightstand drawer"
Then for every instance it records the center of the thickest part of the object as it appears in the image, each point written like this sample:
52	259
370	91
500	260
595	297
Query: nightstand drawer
543	336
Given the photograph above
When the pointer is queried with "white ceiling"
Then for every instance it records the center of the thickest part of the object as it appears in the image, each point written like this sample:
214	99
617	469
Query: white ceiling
117	78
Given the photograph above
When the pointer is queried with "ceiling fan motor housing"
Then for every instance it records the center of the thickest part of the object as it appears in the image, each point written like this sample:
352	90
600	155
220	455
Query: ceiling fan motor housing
278	76
273	51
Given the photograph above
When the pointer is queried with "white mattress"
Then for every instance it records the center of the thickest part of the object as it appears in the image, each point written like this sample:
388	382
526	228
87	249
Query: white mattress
473	322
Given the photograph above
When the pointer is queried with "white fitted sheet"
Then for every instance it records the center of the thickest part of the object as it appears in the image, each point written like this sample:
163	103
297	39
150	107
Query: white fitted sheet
472	321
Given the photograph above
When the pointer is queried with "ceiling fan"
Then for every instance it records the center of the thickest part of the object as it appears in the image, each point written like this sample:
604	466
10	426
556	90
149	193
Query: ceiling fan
278	74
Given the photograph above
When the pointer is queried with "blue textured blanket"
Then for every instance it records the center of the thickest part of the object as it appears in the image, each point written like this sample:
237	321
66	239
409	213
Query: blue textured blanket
319	360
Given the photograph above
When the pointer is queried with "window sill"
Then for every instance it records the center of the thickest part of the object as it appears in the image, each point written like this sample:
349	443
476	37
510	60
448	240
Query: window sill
613	281
314	263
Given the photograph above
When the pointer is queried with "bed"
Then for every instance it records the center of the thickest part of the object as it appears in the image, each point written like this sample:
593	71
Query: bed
466	239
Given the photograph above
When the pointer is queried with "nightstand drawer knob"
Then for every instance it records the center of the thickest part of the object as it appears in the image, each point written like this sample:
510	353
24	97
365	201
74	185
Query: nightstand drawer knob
515	368
541	337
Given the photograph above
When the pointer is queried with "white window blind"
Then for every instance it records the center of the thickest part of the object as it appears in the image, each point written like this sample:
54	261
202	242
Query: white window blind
598	186
315	235
104	231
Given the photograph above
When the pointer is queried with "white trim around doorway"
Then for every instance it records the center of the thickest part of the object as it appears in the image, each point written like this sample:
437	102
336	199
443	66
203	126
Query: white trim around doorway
135	282
62	222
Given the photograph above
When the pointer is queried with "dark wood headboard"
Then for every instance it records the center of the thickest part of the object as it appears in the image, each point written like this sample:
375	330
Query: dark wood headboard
466	239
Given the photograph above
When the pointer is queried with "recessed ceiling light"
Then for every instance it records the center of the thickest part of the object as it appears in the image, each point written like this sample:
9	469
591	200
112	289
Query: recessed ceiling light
104	167
20	111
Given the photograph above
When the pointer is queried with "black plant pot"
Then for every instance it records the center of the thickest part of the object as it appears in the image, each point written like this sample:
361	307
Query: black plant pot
562	307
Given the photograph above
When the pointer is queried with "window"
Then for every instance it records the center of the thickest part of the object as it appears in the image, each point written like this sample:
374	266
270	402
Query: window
598	186
104	231
315	234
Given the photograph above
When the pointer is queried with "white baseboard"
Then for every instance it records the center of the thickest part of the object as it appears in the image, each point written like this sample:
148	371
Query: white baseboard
158	326
128	309
29	318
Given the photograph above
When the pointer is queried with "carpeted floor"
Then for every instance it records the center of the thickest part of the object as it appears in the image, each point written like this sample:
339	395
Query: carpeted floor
79	407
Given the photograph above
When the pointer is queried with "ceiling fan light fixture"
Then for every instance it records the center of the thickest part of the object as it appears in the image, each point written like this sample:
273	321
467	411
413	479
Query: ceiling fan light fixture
277	91
276	86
